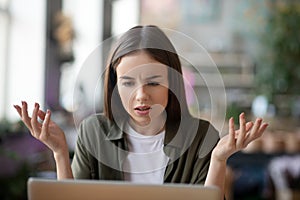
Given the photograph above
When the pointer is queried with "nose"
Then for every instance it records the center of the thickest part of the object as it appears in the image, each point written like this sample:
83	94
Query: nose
142	94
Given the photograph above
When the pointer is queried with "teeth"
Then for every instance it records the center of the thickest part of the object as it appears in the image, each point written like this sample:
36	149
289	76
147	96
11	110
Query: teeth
142	109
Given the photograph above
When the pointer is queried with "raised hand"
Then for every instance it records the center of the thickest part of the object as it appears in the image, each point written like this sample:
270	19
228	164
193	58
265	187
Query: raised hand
234	141
237	140
46	131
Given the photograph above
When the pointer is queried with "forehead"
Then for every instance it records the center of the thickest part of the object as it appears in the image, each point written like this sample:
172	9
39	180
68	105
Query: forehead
140	63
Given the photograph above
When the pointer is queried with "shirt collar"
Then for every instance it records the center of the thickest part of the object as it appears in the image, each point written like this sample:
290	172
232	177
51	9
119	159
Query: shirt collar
115	132
172	138
180	136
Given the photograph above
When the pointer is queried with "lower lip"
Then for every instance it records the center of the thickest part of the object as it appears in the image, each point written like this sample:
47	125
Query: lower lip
142	112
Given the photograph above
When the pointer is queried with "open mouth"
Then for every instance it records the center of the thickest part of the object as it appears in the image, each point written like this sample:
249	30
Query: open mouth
142	108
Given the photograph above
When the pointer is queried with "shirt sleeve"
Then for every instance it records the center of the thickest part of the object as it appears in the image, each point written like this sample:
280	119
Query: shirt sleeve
202	165
204	153
80	163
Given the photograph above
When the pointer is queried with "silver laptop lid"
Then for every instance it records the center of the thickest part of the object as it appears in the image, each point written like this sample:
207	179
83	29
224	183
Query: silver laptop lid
46	189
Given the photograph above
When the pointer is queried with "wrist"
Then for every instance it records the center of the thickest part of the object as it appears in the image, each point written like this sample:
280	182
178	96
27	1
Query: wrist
63	167
218	159
61	155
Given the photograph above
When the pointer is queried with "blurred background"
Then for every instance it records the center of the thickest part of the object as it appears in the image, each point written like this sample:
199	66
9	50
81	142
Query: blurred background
50	54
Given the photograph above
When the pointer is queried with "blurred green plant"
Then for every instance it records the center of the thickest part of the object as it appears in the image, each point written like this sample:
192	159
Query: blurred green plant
8	128
234	110
13	187
278	70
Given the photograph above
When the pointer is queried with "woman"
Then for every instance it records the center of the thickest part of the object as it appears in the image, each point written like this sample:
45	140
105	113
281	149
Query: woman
146	133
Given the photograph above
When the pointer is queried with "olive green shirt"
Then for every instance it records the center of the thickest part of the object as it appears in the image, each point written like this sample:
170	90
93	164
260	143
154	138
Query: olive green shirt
101	149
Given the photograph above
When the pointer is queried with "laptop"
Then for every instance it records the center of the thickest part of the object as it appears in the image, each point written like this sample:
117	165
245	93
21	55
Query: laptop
46	189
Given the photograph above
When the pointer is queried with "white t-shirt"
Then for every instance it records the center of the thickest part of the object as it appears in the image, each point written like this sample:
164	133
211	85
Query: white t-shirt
146	161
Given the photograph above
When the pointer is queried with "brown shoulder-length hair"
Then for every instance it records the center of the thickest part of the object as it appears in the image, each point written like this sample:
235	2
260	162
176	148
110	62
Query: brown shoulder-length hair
156	44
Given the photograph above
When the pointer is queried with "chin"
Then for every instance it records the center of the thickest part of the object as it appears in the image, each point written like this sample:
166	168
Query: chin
142	122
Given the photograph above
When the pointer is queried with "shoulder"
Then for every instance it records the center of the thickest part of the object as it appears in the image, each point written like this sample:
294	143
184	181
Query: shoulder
206	125
97	121
203	126
208	137
202	132
95	125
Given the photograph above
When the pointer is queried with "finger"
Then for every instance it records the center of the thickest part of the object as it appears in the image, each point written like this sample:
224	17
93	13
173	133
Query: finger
256	134
249	125
231	132
41	114
34	122
256	126
253	134
19	110
242	131
44	132
263	128
25	118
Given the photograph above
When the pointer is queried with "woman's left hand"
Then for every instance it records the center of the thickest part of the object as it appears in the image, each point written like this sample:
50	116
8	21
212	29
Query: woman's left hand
238	140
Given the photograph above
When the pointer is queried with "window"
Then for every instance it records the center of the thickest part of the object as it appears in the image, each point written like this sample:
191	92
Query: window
4	29
22	45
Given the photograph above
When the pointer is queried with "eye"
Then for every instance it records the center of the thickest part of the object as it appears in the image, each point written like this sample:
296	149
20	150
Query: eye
153	83
128	83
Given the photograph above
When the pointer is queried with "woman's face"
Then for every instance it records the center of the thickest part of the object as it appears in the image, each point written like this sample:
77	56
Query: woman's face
143	87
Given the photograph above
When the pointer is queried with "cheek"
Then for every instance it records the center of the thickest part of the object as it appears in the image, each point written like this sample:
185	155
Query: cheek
125	95
162	96
166	98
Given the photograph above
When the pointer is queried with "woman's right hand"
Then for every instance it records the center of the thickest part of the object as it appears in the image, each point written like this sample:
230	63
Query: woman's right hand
46	130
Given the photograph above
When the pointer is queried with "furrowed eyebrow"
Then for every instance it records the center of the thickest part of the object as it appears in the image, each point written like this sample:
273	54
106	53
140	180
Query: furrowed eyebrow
153	77
126	77
148	78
